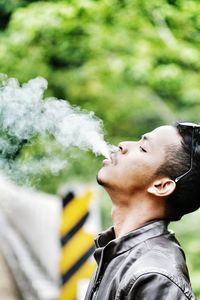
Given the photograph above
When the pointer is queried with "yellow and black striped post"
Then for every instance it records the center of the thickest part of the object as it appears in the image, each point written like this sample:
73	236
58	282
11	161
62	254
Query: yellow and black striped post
77	245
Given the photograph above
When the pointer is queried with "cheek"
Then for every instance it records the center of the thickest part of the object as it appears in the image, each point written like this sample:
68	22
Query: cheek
130	171
139	171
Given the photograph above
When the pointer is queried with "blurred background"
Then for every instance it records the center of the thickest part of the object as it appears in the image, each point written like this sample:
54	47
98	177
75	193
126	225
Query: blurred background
135	64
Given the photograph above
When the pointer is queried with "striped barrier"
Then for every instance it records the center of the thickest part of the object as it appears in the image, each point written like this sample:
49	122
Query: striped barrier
77	245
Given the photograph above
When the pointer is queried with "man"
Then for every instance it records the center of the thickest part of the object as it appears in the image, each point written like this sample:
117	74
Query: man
151	182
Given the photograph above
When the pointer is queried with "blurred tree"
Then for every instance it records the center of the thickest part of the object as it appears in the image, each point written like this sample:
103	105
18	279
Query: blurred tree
136	64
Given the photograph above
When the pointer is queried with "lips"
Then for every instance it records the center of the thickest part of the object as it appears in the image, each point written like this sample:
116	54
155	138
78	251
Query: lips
112	160
107	161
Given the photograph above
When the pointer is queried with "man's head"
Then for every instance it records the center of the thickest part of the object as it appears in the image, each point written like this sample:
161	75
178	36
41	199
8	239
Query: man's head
149	167
184	167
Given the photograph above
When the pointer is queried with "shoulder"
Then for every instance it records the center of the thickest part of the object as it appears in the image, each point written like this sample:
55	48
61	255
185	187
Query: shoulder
156	285
159	270
160	254
163	254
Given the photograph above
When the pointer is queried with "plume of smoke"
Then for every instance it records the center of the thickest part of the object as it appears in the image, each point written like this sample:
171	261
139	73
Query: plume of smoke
24	114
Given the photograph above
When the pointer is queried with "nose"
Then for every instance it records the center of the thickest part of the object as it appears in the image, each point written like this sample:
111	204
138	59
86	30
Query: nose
123	147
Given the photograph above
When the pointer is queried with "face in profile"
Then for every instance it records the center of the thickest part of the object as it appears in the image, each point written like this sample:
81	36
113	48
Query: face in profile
132	168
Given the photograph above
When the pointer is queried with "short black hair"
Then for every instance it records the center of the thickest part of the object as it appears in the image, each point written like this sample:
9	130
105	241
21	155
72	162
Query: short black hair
186	196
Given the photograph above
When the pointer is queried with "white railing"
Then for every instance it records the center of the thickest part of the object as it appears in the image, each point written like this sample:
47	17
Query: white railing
29	239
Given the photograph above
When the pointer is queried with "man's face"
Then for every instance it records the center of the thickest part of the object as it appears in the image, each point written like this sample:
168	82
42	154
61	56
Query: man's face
133	167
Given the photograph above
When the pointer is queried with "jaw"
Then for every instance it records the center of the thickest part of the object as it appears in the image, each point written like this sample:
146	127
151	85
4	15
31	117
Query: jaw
111	183
122	190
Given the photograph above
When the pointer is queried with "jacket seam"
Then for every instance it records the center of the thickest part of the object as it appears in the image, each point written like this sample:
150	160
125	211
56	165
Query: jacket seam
155	272
164	255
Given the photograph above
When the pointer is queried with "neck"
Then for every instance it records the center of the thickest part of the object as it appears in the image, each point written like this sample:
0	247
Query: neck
132	213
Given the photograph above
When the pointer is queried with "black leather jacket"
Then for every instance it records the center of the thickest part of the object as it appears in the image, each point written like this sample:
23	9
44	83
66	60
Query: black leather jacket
145	264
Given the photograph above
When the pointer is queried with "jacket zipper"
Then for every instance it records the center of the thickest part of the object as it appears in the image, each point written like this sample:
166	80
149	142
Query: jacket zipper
95	288
97	283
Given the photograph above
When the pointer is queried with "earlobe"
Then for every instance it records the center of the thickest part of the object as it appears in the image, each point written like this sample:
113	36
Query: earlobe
162	188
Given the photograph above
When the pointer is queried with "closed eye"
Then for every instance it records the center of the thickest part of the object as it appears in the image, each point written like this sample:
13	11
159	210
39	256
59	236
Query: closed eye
142	149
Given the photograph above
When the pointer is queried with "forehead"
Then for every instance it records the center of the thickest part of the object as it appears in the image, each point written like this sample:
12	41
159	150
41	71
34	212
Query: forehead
165	136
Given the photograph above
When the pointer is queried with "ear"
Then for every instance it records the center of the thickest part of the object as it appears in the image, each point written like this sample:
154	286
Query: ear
162	187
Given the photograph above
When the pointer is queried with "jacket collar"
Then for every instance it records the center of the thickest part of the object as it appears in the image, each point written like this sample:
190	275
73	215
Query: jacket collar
106	241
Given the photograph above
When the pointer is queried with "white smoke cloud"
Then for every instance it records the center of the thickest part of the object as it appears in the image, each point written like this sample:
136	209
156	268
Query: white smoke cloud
24	113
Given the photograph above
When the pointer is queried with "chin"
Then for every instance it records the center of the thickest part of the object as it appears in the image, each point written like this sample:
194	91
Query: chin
99	180
101	177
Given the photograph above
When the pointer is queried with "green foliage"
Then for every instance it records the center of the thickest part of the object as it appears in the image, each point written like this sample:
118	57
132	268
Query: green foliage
187	232
136	64
126	60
